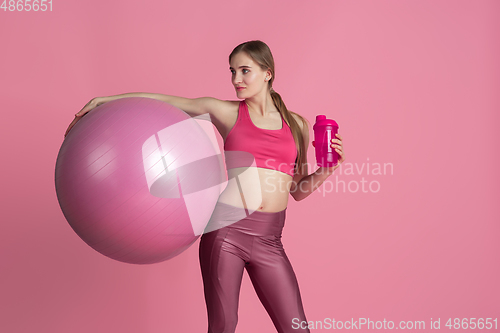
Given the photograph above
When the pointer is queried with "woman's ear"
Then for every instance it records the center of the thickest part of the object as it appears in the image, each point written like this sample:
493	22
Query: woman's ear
269	75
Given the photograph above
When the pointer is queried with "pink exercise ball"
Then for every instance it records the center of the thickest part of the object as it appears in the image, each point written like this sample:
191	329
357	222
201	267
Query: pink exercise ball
137	179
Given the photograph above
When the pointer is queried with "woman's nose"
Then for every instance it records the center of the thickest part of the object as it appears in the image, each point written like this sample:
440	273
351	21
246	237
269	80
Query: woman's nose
236	79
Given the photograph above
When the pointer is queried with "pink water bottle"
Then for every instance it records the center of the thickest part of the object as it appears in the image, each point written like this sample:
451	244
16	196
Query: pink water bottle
324	132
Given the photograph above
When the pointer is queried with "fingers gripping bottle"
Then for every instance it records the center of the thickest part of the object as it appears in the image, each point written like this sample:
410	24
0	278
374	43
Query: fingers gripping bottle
324	132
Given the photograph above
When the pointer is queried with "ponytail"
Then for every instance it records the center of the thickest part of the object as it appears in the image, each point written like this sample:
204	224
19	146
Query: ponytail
301	160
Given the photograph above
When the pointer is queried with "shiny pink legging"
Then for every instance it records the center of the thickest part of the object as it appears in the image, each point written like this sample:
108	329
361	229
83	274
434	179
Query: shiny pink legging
254	243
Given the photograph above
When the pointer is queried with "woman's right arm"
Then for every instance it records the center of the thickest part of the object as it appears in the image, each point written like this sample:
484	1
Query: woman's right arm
192	106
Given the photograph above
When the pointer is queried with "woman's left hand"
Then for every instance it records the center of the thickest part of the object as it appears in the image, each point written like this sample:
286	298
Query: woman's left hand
339	148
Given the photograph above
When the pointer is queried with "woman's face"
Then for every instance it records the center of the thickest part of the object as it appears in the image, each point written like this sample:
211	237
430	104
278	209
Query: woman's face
247	77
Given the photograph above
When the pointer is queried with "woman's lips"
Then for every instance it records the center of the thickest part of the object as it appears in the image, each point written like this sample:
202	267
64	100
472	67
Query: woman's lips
240	88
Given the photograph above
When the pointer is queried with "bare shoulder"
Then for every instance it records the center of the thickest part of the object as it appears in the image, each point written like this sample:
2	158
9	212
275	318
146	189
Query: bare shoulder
223	113
219	104
222	110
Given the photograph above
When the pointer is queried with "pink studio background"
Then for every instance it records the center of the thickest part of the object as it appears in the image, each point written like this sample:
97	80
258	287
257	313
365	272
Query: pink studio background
411	83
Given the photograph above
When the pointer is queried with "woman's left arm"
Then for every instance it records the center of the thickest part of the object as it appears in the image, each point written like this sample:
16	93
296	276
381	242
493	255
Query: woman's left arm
303	184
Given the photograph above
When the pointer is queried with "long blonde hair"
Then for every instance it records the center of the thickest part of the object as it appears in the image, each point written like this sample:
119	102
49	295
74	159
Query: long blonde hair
261	54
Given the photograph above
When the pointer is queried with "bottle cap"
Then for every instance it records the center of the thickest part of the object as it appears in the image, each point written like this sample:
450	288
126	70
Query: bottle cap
322	121
320	117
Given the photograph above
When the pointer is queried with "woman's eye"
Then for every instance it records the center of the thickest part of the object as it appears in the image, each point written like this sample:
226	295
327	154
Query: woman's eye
245	70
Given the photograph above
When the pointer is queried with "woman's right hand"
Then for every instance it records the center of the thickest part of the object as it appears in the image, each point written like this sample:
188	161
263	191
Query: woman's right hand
89	106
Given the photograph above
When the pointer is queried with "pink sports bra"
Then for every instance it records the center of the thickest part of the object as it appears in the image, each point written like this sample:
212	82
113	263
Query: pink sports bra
272	149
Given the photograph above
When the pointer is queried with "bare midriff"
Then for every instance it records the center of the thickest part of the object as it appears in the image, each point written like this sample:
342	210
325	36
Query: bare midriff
243	189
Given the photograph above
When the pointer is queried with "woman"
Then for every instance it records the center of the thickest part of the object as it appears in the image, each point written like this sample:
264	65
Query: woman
244	231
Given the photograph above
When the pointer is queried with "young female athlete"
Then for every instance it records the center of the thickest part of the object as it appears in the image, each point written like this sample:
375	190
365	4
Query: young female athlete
244	231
